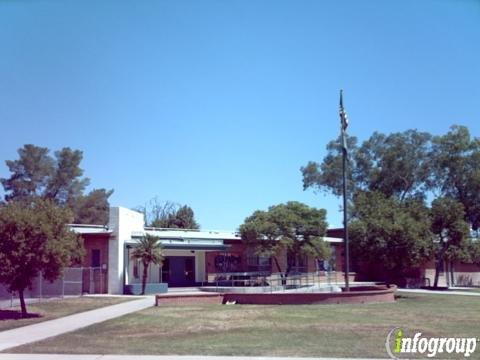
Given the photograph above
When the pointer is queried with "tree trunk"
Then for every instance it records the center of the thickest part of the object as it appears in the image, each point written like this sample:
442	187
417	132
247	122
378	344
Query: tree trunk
275	260
144	277
22	302
437	272
452	274
277	264
440	261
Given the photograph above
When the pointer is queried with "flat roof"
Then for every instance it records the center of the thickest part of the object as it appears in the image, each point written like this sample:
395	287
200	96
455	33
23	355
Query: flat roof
191	234
207	234
174	234
90	229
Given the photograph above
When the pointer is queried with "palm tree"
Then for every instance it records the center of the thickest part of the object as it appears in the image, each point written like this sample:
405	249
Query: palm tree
149	251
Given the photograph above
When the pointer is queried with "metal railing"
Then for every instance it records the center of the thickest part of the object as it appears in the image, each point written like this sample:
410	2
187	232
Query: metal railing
273	282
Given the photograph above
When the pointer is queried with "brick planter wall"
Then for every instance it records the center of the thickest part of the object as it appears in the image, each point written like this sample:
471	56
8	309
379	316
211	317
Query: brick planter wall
363	295
352	297
188	299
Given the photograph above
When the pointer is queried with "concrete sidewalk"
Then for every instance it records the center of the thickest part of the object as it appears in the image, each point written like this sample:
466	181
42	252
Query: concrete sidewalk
440	292
150	357
30	333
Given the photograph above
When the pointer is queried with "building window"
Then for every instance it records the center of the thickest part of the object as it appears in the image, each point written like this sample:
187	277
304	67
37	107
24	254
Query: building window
95	259
258	263
328	265
297	263
229	262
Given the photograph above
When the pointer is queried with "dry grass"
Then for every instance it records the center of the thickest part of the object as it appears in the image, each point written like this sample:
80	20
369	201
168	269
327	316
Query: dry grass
52	309
302	330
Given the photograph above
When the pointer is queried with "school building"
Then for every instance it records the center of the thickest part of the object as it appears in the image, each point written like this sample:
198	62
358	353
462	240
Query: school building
196	257
192	257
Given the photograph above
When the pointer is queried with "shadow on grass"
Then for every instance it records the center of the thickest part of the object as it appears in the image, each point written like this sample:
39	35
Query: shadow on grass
409	297
16	315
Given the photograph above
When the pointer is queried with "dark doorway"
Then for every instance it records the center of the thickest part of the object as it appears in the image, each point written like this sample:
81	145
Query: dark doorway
95	260
181	270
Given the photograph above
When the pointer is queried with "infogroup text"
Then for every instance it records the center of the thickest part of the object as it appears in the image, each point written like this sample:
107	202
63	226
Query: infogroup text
397	343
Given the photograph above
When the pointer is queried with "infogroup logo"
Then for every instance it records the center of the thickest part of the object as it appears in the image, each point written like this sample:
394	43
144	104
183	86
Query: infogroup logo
397	344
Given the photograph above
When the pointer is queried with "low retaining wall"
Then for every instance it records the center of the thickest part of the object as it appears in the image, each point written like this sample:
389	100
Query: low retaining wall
370	294
150	288
357	295
188	299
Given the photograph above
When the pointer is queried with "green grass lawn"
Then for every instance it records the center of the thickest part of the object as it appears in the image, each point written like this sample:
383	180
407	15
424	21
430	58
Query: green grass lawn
302	330
473	289
53	309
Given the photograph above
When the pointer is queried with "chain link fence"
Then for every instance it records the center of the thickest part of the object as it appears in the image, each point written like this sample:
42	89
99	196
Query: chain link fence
75	281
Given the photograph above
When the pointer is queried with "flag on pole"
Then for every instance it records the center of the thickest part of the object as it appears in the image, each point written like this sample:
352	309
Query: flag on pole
343	123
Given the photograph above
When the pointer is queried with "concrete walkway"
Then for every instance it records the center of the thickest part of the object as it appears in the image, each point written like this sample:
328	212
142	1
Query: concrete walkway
30	333
441	292
150	357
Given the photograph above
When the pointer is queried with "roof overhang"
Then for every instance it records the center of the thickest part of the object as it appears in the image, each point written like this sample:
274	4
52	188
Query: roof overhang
83	229
332	240
196	247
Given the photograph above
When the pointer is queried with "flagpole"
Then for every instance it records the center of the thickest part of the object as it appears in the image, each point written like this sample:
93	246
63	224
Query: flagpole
344	124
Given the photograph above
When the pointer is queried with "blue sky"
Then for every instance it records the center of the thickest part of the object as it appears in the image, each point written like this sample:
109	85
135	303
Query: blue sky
217	104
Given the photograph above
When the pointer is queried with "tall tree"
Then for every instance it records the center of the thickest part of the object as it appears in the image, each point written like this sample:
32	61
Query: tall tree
294	229
403	167
396	165
92	208
456	160
65	183
451	233
36	174
474	251
30	173
34	238
148	251
167	214
326	176
390	236
184	218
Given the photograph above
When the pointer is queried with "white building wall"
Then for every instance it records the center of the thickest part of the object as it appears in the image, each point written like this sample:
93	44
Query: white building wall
122	222
152	277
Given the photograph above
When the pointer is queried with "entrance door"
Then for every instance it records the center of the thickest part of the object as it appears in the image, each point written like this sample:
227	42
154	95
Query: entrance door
181	270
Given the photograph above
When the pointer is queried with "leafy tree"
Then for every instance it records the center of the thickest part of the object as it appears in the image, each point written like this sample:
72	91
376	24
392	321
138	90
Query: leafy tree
474	251
326	176
167	214
184	218
456	160
403	167
34	238
395	165
65	183
36	174
148	251
92	208
390	236
292	228
30	173
451	231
